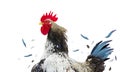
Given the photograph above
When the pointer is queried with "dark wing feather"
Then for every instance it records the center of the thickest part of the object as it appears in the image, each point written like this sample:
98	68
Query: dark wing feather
38	67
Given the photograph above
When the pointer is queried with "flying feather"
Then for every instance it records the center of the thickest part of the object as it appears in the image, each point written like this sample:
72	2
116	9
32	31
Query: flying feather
23	42
84	37
110	34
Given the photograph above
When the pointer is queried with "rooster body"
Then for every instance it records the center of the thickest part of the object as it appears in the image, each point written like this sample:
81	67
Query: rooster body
56	58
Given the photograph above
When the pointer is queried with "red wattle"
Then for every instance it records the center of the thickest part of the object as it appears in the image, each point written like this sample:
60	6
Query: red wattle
45	28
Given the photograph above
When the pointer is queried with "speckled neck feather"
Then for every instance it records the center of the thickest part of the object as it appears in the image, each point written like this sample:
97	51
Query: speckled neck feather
58	37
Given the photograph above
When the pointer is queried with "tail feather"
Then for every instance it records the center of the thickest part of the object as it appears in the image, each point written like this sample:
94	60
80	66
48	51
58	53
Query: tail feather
102	50
104	53
99	55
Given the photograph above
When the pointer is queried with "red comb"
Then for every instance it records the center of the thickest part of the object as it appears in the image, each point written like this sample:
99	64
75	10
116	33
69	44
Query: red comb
49	16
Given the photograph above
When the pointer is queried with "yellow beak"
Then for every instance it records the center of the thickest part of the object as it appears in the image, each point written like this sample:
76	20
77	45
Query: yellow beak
40	23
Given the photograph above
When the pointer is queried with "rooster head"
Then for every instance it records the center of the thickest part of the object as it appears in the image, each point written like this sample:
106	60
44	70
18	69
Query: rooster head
46	20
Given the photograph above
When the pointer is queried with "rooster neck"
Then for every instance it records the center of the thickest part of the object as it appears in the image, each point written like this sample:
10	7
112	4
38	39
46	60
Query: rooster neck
57	38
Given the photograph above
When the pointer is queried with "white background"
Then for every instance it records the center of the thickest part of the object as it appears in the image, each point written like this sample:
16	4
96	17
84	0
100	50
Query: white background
92	18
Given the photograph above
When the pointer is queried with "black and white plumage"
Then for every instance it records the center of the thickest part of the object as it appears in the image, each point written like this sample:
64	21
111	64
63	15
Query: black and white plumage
56	58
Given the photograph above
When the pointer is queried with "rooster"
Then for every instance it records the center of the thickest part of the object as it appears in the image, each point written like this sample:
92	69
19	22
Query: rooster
56	58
